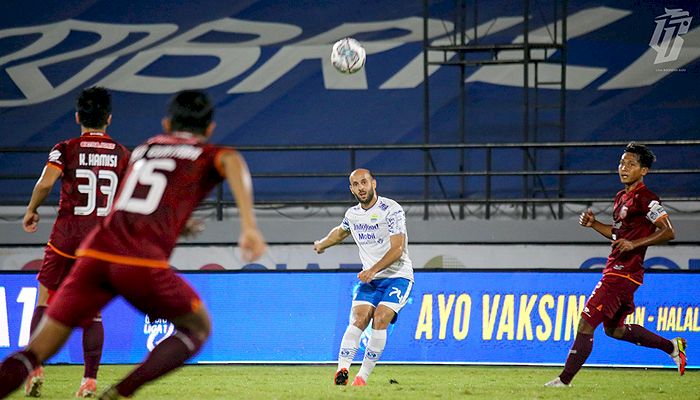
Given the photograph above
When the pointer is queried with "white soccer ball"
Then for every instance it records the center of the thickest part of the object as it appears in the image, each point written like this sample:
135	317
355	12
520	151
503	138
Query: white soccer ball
348	56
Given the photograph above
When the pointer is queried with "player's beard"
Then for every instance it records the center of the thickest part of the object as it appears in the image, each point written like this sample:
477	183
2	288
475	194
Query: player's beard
370	197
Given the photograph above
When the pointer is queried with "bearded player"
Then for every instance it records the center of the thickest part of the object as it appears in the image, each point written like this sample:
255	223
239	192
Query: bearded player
378	226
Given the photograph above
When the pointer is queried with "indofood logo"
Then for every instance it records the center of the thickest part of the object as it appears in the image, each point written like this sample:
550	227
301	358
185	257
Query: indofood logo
667	40
157	331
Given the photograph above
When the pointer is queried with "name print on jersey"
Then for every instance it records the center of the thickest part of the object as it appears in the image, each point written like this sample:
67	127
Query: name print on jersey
98	160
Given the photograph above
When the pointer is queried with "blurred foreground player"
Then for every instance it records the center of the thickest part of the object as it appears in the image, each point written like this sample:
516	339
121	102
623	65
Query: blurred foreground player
90	168
639	221
128	254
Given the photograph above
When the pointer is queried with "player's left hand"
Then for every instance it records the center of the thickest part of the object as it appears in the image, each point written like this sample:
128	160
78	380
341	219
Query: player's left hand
623	245
30	221
366	276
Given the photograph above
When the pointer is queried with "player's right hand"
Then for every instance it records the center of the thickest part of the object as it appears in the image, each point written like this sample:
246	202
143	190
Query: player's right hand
587	218
252	244
31	221
317	247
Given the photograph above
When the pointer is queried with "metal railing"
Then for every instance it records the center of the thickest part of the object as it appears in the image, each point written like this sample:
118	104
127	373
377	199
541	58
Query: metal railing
553	197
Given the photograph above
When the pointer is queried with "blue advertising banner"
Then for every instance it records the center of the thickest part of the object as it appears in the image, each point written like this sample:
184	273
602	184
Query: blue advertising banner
452	317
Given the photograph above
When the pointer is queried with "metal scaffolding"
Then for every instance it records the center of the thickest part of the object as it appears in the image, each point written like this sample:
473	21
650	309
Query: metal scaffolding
533	54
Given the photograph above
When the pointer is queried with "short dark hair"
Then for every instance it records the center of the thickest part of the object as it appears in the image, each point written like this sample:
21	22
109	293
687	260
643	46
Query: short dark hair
190	111
94	105
645	156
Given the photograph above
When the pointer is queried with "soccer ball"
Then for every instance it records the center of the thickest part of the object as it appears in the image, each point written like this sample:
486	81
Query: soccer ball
348	56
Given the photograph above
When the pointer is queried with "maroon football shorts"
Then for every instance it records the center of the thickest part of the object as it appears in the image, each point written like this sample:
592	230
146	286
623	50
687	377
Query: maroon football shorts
54	269
92	283
610	303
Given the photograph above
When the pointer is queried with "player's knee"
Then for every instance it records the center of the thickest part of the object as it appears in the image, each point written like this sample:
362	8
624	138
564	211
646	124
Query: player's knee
382	320
614	331
609	330
196	323
584	326
361	322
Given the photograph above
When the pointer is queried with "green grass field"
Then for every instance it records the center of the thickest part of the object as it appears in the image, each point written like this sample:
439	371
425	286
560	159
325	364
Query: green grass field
414	382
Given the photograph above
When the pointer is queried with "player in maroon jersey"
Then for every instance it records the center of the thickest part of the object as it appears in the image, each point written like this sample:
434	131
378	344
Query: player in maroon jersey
89	167
639	221
128	253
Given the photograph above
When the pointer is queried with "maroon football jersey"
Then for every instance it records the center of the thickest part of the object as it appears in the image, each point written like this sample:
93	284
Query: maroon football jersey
167	178
634	215
92	166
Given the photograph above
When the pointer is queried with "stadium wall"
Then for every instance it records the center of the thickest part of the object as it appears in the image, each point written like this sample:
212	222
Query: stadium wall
468	244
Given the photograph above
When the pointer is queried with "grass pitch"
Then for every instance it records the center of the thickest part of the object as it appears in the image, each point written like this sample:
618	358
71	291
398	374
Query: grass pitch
414	382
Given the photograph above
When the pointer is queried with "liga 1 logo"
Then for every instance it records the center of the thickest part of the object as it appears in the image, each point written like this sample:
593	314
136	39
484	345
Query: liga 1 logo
667	40
157	331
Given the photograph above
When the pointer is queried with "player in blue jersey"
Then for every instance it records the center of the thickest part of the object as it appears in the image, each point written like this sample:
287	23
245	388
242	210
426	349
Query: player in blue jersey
378	226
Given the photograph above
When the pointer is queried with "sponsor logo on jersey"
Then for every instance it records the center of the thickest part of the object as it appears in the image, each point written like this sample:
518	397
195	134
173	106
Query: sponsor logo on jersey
98	145
366	236
363	227
383	206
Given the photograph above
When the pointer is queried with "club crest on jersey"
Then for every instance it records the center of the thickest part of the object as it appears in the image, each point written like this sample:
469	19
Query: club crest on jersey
373	218
157	331
623	212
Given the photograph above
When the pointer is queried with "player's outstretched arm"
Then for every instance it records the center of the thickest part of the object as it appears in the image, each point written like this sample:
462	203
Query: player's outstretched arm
390	257
251	241
41	191
588	220
335	236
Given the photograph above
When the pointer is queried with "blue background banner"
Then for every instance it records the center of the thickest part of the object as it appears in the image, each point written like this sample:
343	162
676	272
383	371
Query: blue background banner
452	317
267	68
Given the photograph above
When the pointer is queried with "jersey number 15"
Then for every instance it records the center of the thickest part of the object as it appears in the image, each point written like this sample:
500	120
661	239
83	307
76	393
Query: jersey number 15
145	172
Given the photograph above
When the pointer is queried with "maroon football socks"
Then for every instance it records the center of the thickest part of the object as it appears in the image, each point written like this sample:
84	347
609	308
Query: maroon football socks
15	369
168	355
641	336
93	339
583	345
